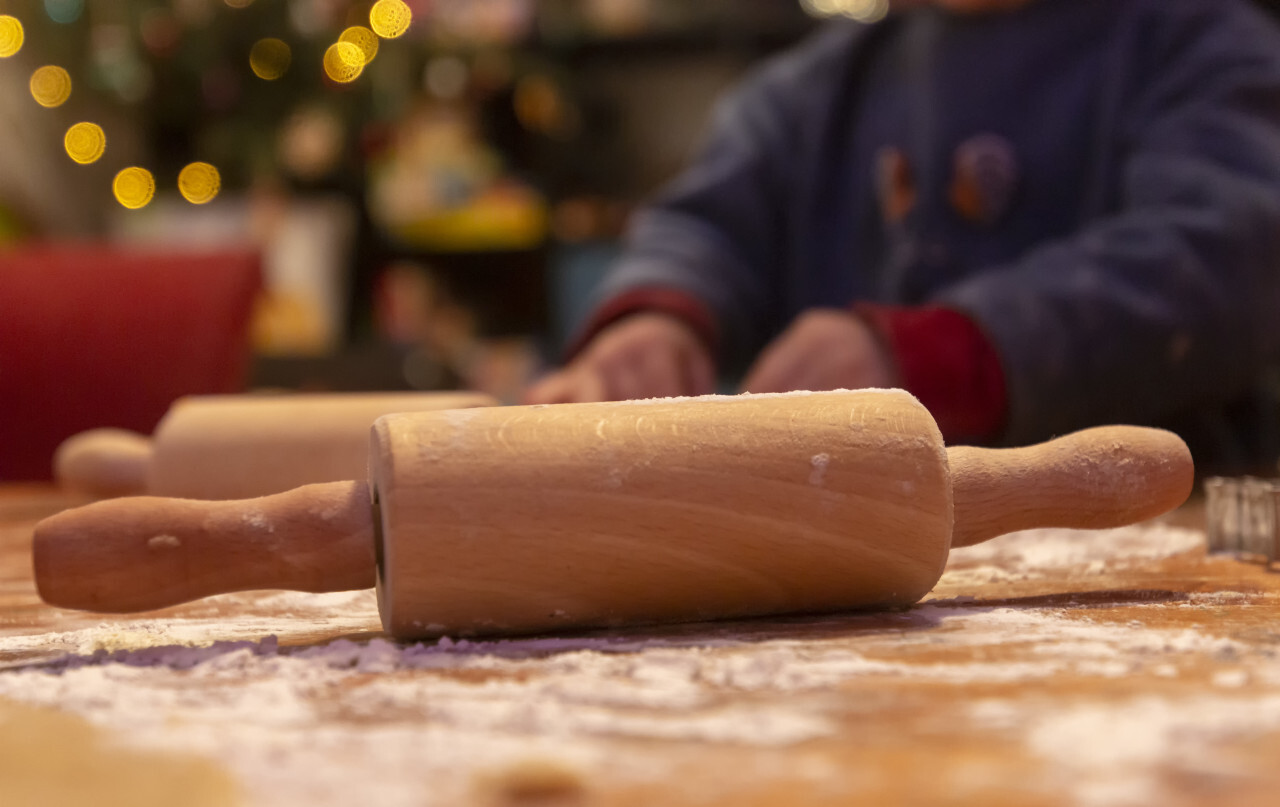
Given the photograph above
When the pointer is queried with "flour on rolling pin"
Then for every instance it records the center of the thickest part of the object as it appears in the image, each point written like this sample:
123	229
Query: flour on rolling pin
242	446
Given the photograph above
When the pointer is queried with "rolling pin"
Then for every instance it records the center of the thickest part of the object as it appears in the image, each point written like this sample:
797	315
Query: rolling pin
241	446
531	519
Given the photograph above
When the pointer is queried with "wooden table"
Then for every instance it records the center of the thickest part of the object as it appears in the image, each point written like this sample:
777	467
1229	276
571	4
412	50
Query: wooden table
1050	668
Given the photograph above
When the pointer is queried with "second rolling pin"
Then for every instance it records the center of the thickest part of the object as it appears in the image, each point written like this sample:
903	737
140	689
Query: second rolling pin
241	446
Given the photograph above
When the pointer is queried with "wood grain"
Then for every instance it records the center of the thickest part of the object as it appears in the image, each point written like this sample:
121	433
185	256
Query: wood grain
243	446
528	519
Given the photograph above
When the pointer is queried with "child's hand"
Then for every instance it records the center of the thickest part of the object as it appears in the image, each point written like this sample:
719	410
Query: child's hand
824	349
646	355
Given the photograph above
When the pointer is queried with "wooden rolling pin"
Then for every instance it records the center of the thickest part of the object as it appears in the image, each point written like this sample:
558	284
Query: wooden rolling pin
241	446
543	518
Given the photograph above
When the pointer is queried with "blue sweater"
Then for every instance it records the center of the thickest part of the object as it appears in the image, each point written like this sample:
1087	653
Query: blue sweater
1134	276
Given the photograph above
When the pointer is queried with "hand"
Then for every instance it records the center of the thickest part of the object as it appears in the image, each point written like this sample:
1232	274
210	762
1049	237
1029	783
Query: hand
647	355
824	349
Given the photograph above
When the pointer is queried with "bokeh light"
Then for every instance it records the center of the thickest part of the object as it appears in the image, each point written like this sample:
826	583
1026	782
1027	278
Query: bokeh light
362	38
540	106
134	187
446	77
50	86
160	30
239	3
867	11
390	18
85	142
64	11
199	183
11	36
270	58
343	62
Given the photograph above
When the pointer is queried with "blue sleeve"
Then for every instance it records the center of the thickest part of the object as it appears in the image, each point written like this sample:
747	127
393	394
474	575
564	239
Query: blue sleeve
718	231
1172	302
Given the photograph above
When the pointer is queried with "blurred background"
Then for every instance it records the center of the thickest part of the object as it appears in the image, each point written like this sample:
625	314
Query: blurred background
202	196
429	217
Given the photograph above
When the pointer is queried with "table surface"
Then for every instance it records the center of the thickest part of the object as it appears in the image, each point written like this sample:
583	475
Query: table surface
1047	668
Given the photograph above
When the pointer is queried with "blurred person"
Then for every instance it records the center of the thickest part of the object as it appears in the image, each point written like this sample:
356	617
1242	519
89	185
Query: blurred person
1034	215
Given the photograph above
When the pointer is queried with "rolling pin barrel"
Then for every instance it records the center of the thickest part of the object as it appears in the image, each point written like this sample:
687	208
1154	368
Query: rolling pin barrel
529	519
242	446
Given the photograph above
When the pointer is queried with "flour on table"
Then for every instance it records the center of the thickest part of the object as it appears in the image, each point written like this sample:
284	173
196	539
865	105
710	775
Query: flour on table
1031	554
1111	755
419	724
286	614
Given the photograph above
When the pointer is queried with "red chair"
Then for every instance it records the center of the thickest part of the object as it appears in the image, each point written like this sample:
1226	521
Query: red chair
94	336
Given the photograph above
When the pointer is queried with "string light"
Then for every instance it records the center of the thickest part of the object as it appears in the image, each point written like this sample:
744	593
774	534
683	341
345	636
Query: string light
11	36
199	183
85	142
362	38
270	58
50	86
390	18
134	187
64	11
343	62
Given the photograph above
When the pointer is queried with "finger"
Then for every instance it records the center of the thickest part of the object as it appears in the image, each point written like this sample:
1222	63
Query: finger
553	388
774	371
665	376
623	379
590	387
699	372
579	385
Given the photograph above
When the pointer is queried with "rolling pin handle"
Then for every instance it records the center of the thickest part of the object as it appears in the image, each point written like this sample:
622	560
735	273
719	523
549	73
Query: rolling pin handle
104	463
143	553
1110	476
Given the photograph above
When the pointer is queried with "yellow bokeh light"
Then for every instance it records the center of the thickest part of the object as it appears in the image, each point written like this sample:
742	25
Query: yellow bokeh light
50	86
390	18
239	3
11	36
85	142
269	58
134	187
343	62
362	38
199	183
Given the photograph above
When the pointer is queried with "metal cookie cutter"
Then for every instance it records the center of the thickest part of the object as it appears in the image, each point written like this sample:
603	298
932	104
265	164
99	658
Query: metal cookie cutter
1243	517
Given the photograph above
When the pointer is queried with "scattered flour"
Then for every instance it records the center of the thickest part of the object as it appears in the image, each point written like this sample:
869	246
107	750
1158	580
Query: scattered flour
164	542
414	723
297	725
1033	553
820	463
1230	679
259	521
1112	755
742	396
296	616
